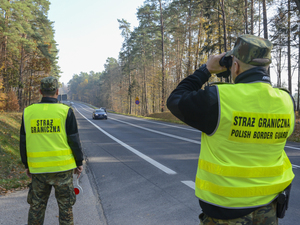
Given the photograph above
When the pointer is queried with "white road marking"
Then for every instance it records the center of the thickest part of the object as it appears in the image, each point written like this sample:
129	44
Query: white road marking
150	121
158	132
163	124
189	183
295	166
292	147
143	156
181	138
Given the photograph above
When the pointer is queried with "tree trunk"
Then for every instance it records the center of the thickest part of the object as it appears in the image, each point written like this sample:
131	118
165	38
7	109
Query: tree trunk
219	30
178	74
153	81
259	18
162	60
130	87
279	69
198	44
145	87
178	58
30	88
190	40
224	25
252	17
224	29
130	96
289	48
4	53
298	67
246	17
265	20
20	87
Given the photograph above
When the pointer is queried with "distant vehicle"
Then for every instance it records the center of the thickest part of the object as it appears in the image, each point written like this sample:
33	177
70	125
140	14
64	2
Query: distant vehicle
103	108
99	114
72	103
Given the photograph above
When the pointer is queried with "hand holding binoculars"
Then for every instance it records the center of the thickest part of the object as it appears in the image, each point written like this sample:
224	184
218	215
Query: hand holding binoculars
227	62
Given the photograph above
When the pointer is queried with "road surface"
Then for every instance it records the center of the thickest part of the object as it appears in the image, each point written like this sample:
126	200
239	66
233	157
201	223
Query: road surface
144	170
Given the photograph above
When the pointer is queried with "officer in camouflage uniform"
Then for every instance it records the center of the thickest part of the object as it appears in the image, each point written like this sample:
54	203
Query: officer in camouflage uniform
50	149
242	167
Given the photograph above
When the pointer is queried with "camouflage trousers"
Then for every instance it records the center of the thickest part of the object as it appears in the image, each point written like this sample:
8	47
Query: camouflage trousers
262	216
38	195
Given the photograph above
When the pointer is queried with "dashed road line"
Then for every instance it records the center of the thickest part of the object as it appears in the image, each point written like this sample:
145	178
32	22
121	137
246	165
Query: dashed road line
189	183
157	132
164	124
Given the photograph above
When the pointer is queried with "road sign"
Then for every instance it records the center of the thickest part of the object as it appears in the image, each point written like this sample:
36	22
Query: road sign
137	99
137	102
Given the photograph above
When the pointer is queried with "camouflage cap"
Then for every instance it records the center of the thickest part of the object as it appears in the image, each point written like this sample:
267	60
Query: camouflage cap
252	50
49	84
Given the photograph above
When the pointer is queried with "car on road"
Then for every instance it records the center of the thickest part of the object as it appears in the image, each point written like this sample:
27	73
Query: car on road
99	114
103	109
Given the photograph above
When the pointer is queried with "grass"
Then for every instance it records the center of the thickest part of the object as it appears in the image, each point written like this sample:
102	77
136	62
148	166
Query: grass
12	171
295	137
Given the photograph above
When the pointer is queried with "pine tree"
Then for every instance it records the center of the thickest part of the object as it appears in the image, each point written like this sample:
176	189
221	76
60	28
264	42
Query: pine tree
3	96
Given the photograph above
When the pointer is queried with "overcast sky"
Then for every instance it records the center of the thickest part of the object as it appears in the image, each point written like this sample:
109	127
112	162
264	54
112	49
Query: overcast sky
87	32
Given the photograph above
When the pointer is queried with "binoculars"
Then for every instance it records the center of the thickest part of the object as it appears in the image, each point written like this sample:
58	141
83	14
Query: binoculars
227	62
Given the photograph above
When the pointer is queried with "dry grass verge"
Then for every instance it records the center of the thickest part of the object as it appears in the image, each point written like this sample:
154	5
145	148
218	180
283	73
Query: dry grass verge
295	137
12	171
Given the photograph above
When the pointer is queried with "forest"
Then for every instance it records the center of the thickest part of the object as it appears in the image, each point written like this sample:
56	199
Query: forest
173	38
28	52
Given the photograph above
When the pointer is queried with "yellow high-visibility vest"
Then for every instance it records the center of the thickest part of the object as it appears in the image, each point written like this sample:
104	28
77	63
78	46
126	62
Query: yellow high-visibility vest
243	163
47	147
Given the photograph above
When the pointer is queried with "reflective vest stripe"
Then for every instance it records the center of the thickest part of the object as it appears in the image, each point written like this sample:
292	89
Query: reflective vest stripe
51	164
49	154
240	192
249	172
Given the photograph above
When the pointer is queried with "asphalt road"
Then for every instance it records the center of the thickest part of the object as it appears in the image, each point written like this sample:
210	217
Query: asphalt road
144	170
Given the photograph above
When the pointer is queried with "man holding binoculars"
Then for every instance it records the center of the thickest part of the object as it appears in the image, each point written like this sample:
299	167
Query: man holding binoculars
244	175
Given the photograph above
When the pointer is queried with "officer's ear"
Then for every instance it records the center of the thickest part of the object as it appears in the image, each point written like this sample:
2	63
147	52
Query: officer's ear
237	67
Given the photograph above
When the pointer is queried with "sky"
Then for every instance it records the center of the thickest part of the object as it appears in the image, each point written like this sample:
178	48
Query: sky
87	32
